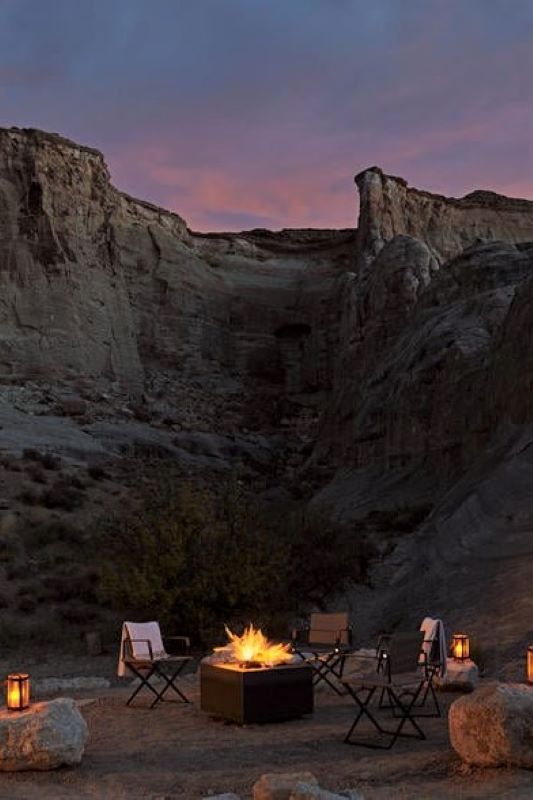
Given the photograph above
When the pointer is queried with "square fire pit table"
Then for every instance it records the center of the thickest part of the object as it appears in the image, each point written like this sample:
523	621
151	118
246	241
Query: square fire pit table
256	694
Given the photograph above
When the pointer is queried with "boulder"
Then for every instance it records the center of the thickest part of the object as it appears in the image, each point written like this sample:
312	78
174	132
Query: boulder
45	736
461	676
280	785
494	726
294	786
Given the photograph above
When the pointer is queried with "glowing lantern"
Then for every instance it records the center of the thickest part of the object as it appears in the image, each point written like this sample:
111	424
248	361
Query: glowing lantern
530	663
460	646
18	691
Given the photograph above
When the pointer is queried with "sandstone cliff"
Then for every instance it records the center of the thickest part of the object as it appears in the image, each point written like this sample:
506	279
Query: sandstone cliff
98	284
379	373
390	207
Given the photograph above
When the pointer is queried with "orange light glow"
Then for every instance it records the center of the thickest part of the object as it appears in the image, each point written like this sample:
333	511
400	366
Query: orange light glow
18	691
460	646
530	663
254	647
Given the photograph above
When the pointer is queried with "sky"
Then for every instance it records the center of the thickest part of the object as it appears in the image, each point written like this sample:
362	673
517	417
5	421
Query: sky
258	113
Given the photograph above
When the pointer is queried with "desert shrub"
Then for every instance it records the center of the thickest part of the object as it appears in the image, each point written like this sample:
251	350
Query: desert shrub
62	495
77	613
49	461
26	604
194	559
52	532
197	559
76	482
96	472
66	585
46	460
31	454
18	569
37	475
29	497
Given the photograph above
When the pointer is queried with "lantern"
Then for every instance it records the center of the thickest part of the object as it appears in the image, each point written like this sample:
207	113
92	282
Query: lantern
530	663
18	691
460	646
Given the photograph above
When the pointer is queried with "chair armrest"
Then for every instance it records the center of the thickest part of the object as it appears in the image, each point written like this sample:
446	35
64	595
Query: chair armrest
128	644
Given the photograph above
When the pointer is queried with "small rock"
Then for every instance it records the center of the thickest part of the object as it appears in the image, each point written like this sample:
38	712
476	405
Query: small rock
461	676
225	796
280	786
494	726
45	736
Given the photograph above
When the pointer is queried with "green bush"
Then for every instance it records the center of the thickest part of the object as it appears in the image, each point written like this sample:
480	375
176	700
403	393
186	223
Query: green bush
192	559
196	558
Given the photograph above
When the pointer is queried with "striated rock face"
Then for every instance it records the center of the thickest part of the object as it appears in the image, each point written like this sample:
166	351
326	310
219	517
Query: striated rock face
98	283
390	207
65	306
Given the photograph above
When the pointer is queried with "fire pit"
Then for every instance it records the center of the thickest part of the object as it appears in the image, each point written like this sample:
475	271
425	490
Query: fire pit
252	680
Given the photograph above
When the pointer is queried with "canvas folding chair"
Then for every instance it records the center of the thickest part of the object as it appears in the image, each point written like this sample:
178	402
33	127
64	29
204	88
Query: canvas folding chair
328	640
143	654
398	677
434	661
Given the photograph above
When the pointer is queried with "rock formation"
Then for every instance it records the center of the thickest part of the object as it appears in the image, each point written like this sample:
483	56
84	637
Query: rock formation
390	207
378	373
493	727
45	736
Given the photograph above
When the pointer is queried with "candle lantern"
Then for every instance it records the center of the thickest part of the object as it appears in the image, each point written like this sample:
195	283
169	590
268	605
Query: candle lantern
530	663
460	646
18	691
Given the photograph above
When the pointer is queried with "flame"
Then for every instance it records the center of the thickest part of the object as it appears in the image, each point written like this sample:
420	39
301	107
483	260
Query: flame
253	646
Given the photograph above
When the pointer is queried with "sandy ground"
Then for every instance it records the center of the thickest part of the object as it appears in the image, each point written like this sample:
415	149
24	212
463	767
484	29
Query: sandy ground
176	751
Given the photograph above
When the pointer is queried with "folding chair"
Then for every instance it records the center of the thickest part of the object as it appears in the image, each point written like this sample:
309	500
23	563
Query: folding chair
328	640
142	653
399	676
434	649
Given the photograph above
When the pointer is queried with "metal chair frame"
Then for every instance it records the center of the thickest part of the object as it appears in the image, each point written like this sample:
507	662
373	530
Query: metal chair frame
326	658
145	669
430	669
403	692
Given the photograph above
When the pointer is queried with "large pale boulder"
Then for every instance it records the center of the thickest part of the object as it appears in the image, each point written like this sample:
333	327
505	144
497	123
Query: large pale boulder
494	726
45	736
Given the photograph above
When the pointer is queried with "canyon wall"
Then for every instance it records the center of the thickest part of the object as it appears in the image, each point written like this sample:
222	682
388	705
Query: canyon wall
97	283
383	373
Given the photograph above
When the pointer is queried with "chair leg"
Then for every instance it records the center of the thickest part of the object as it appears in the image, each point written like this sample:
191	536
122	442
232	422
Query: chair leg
404	716
144	681
170	684
364	712
407	716
429	690
325	669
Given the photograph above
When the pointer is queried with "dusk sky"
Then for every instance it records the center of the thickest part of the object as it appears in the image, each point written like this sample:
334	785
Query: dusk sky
258	113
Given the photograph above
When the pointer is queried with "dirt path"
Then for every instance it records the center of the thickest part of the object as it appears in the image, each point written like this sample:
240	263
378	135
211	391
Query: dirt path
176	751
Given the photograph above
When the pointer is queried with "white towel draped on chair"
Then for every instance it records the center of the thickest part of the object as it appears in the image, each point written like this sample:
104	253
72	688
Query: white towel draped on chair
434	642
149	632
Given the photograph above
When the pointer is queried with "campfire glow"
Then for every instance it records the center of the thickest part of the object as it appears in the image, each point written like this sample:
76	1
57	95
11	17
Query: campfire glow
254	648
